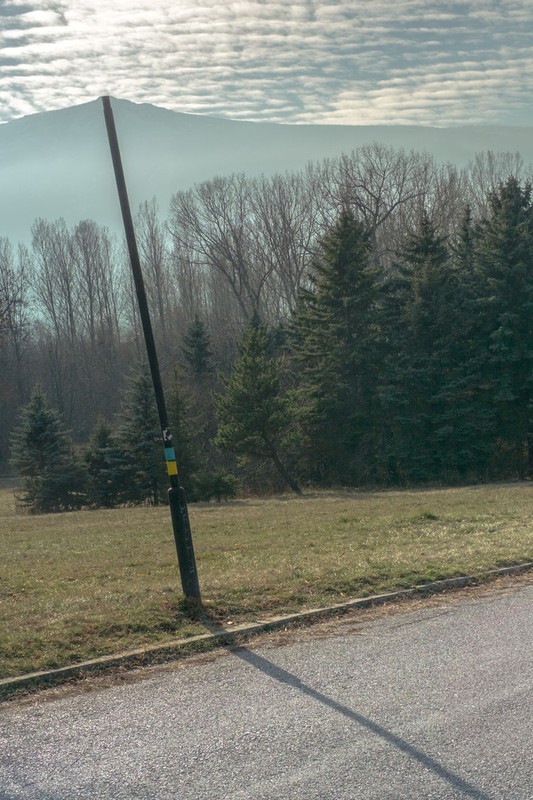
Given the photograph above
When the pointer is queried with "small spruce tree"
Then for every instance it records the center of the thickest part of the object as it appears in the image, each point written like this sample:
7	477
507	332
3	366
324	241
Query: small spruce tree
197	349
42	454
110	472
197	386
253	416
138	441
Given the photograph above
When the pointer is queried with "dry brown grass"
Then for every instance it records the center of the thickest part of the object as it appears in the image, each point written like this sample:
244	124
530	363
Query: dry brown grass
77	585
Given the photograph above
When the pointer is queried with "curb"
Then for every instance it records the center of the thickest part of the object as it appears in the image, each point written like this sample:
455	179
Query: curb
166	651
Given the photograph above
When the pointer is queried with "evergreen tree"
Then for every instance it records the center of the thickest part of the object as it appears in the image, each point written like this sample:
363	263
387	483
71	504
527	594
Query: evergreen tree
420	306
337	345
442	418
218	484
110	473
463	248
138	441
197	349
253	416
465	424
42	454
198	385
504	269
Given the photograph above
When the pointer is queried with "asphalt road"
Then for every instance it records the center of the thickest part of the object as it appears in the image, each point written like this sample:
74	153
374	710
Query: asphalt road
434	704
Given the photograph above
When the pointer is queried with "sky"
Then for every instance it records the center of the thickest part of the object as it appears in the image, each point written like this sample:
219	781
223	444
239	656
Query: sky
360	62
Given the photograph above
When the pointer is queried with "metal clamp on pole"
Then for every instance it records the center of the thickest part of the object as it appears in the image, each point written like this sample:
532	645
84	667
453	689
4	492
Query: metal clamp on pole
176	494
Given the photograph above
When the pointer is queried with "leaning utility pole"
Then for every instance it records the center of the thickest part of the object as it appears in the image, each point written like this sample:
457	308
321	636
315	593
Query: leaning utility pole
176	494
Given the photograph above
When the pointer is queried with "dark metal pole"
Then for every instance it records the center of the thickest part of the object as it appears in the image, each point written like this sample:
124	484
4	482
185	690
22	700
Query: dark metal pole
176	494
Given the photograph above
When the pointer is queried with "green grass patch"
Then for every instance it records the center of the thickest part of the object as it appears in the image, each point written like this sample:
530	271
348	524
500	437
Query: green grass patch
88	583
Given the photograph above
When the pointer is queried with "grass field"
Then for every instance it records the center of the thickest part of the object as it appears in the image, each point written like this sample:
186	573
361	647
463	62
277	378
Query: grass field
78	585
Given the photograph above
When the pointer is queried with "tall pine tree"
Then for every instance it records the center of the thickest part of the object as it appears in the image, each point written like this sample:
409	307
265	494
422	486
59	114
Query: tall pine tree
420	318
463	428
336	344
504	269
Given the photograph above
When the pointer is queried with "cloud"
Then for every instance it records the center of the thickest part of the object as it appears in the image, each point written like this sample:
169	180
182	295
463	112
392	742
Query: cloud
329	61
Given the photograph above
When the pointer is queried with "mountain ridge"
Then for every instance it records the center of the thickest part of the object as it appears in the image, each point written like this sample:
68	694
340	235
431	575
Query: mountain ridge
57	163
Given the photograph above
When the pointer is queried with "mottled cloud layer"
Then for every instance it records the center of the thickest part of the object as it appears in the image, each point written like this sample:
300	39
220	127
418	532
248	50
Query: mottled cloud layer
421	62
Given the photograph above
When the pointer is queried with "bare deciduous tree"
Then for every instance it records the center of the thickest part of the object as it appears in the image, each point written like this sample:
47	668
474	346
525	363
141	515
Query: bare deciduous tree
216	220
377	182
487	170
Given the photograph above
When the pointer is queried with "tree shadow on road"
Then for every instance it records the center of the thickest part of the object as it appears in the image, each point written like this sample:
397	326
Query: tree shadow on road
283	676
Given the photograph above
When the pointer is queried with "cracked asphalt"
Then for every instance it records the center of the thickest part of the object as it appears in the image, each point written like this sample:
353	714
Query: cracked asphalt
430	701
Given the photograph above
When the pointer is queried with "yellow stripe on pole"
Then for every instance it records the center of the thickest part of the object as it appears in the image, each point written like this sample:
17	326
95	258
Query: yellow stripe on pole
172	468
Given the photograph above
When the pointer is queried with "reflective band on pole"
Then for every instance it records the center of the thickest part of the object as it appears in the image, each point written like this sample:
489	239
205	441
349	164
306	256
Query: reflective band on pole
172	467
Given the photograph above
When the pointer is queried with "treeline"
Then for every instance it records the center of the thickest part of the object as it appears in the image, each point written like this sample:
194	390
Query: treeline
383	301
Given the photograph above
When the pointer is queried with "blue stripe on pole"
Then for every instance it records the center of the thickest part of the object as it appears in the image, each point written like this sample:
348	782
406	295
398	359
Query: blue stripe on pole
170	454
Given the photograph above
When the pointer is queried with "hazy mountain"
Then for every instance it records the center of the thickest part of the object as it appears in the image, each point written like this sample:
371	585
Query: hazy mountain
57	163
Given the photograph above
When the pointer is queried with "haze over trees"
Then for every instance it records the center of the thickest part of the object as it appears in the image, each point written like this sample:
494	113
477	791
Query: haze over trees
390	299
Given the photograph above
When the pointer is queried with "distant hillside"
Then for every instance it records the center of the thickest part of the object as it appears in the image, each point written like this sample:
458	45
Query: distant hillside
57	163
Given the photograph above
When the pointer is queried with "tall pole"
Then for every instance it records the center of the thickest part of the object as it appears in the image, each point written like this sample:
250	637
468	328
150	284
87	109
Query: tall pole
176	494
